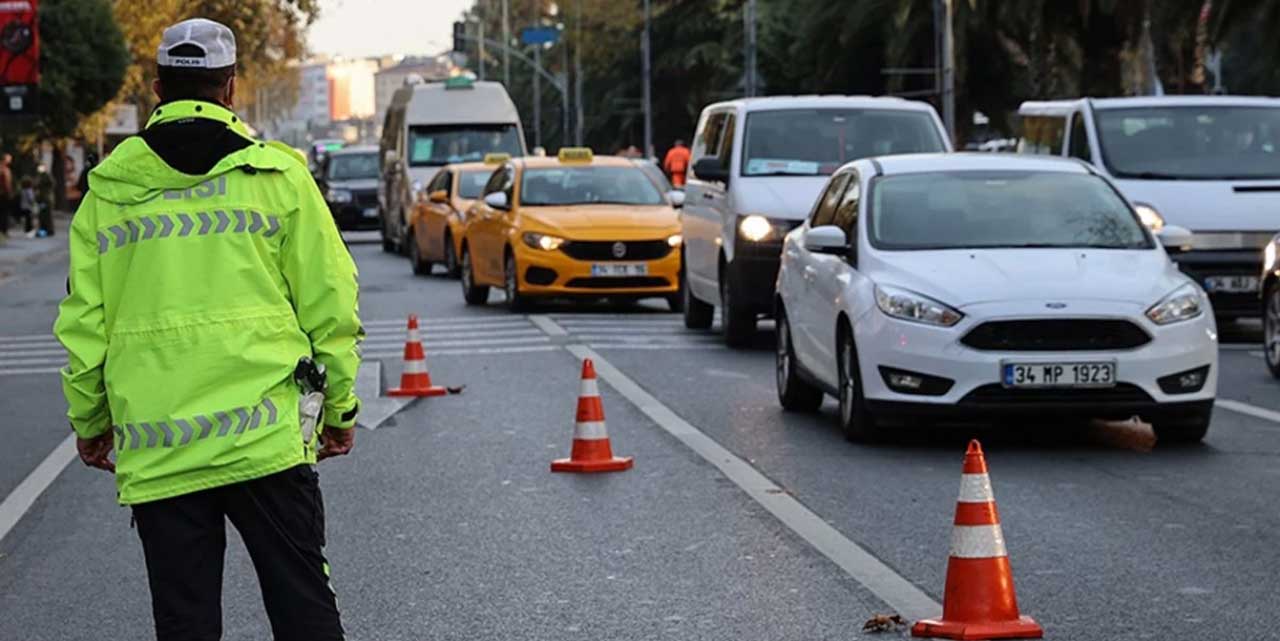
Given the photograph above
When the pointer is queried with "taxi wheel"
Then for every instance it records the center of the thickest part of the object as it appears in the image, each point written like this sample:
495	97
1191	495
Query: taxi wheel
420	267
452	269
856	422
794	393
511	285
472	293
1271	329
697	314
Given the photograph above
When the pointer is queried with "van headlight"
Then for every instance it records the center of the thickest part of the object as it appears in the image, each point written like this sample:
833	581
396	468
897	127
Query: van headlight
1149	216
545	242
1269	255
917	308
1183	303
755	228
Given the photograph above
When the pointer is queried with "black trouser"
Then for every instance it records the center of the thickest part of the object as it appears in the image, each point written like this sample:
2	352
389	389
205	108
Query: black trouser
281	519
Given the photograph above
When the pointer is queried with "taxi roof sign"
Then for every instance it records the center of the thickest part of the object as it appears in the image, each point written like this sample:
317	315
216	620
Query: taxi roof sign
575	155
496	158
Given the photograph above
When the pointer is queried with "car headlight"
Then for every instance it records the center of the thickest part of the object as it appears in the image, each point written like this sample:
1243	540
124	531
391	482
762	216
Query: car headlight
1183	303
910	306
1269	255
1149	216
338	196
755	228
675	240
543	241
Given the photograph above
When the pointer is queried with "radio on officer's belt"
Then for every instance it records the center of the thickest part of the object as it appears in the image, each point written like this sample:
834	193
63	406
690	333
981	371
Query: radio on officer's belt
310	377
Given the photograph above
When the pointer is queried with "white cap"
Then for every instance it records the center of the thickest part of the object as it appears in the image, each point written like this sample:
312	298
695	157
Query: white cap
213	38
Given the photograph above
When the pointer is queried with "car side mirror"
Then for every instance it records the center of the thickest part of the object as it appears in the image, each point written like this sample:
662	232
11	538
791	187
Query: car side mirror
709	168
827	239
497	200
676	197
439	196
1174	237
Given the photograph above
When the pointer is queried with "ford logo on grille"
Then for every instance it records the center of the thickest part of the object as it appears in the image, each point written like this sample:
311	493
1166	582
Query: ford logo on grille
1056	305
619	249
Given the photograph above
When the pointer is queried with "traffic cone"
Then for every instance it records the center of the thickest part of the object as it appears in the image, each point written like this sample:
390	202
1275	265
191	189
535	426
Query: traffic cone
979	601
414	378
591	451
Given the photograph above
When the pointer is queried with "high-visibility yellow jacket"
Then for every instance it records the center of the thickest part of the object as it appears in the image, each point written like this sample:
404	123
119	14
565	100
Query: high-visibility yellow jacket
191	299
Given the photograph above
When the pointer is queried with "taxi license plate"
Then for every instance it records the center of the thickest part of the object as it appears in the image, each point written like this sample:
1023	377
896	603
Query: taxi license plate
1231	284
371	212
1091	374
619	269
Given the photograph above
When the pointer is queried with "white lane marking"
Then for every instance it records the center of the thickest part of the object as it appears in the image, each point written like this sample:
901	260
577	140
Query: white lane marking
22	497
977	542
386	338
457	320
27	338
642	325
1256	353
465	352
375	408
1250	410
1236	347
22	371
633	331
895	590
432	345
548	326
643	346
649	338
36	361
33	352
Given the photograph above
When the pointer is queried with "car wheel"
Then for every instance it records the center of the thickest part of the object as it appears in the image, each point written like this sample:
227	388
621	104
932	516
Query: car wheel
1271	329
697	314
856	422
794	393
1189	427
471	292
452	269
739	324
511	286
420	267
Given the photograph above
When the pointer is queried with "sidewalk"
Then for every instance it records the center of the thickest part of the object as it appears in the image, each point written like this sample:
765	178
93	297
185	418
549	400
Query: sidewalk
17	251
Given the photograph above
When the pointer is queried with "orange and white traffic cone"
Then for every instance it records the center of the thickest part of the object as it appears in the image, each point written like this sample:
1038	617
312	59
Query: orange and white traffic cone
979	601
414	379
591	451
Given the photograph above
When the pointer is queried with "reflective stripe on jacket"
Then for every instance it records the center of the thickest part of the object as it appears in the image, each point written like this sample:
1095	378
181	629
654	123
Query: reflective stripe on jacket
191	299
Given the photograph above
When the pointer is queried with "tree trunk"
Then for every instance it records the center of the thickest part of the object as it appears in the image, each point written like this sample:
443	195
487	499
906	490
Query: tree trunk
59	171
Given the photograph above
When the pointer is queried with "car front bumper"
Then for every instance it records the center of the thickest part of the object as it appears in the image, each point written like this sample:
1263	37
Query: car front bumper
552	274
361	213
976	375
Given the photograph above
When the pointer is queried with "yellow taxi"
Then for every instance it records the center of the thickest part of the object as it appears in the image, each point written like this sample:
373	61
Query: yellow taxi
576	225
437	219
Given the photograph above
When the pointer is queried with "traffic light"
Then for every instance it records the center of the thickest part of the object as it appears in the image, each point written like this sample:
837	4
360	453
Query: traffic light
459	37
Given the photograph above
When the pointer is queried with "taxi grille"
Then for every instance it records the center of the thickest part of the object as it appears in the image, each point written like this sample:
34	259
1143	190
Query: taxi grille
1052	335
619	282
603	250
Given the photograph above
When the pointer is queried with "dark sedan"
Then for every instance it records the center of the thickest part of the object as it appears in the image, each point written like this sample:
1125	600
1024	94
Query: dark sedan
349	182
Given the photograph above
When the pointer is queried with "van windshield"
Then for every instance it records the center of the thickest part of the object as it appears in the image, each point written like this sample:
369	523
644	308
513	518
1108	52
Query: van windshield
1211	142
437	145
816	142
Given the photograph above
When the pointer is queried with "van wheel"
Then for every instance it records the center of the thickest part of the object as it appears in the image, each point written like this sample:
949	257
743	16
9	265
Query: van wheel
697	314
856	422
794	393
420	267
739	324
472	293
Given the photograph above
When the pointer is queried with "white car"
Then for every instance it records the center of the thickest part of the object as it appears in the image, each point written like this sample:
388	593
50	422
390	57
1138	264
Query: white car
975	286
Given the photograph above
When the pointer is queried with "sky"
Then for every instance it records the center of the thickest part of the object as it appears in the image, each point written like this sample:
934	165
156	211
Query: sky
355	28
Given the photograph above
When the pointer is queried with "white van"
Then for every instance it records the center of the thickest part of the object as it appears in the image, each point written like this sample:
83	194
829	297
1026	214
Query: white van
433	124
1210	164
758	165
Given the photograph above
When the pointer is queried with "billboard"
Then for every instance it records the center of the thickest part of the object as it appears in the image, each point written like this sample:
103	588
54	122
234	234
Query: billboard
19	56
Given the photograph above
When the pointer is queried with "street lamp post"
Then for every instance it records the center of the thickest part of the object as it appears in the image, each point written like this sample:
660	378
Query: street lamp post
506	46
645	73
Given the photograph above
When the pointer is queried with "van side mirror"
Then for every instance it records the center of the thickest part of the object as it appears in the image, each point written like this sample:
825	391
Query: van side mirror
1175	238
497	200
827	239
676	197
709	168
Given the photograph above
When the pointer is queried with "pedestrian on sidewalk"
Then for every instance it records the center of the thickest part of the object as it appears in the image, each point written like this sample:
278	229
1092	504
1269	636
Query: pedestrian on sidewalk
676	164
6	192
27	205
207	265
44	200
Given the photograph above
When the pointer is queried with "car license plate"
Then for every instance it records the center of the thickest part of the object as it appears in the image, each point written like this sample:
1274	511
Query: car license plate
1231	284
1092	374
371	212
619	269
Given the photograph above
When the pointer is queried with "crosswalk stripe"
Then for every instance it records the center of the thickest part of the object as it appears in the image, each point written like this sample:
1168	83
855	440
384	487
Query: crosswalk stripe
430	346
32	352
680	338
429	335
23	371
29	338
650	346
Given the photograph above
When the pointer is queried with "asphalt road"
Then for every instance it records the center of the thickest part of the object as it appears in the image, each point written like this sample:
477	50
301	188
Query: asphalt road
446	524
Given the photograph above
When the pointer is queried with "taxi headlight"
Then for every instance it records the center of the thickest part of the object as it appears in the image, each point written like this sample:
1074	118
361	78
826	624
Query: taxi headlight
544	242
917	308
339	196
675	240
1269	255
755	228
1183	303
1149	216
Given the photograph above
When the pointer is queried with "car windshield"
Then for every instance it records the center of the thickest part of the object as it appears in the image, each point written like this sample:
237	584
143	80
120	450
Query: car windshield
446	144
972	209
471	183
353	166
585	185
1191	142
816	142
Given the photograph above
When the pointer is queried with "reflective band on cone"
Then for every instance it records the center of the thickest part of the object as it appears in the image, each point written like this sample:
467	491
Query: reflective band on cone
414	378
979	601
591	451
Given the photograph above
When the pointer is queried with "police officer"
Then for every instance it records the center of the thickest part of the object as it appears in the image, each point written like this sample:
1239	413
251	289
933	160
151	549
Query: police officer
204	266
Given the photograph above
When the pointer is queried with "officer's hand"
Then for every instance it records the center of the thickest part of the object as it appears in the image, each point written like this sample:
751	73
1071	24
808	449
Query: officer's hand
95	452
335	441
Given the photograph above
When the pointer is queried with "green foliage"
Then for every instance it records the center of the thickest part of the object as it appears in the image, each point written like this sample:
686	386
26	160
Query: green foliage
83	60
